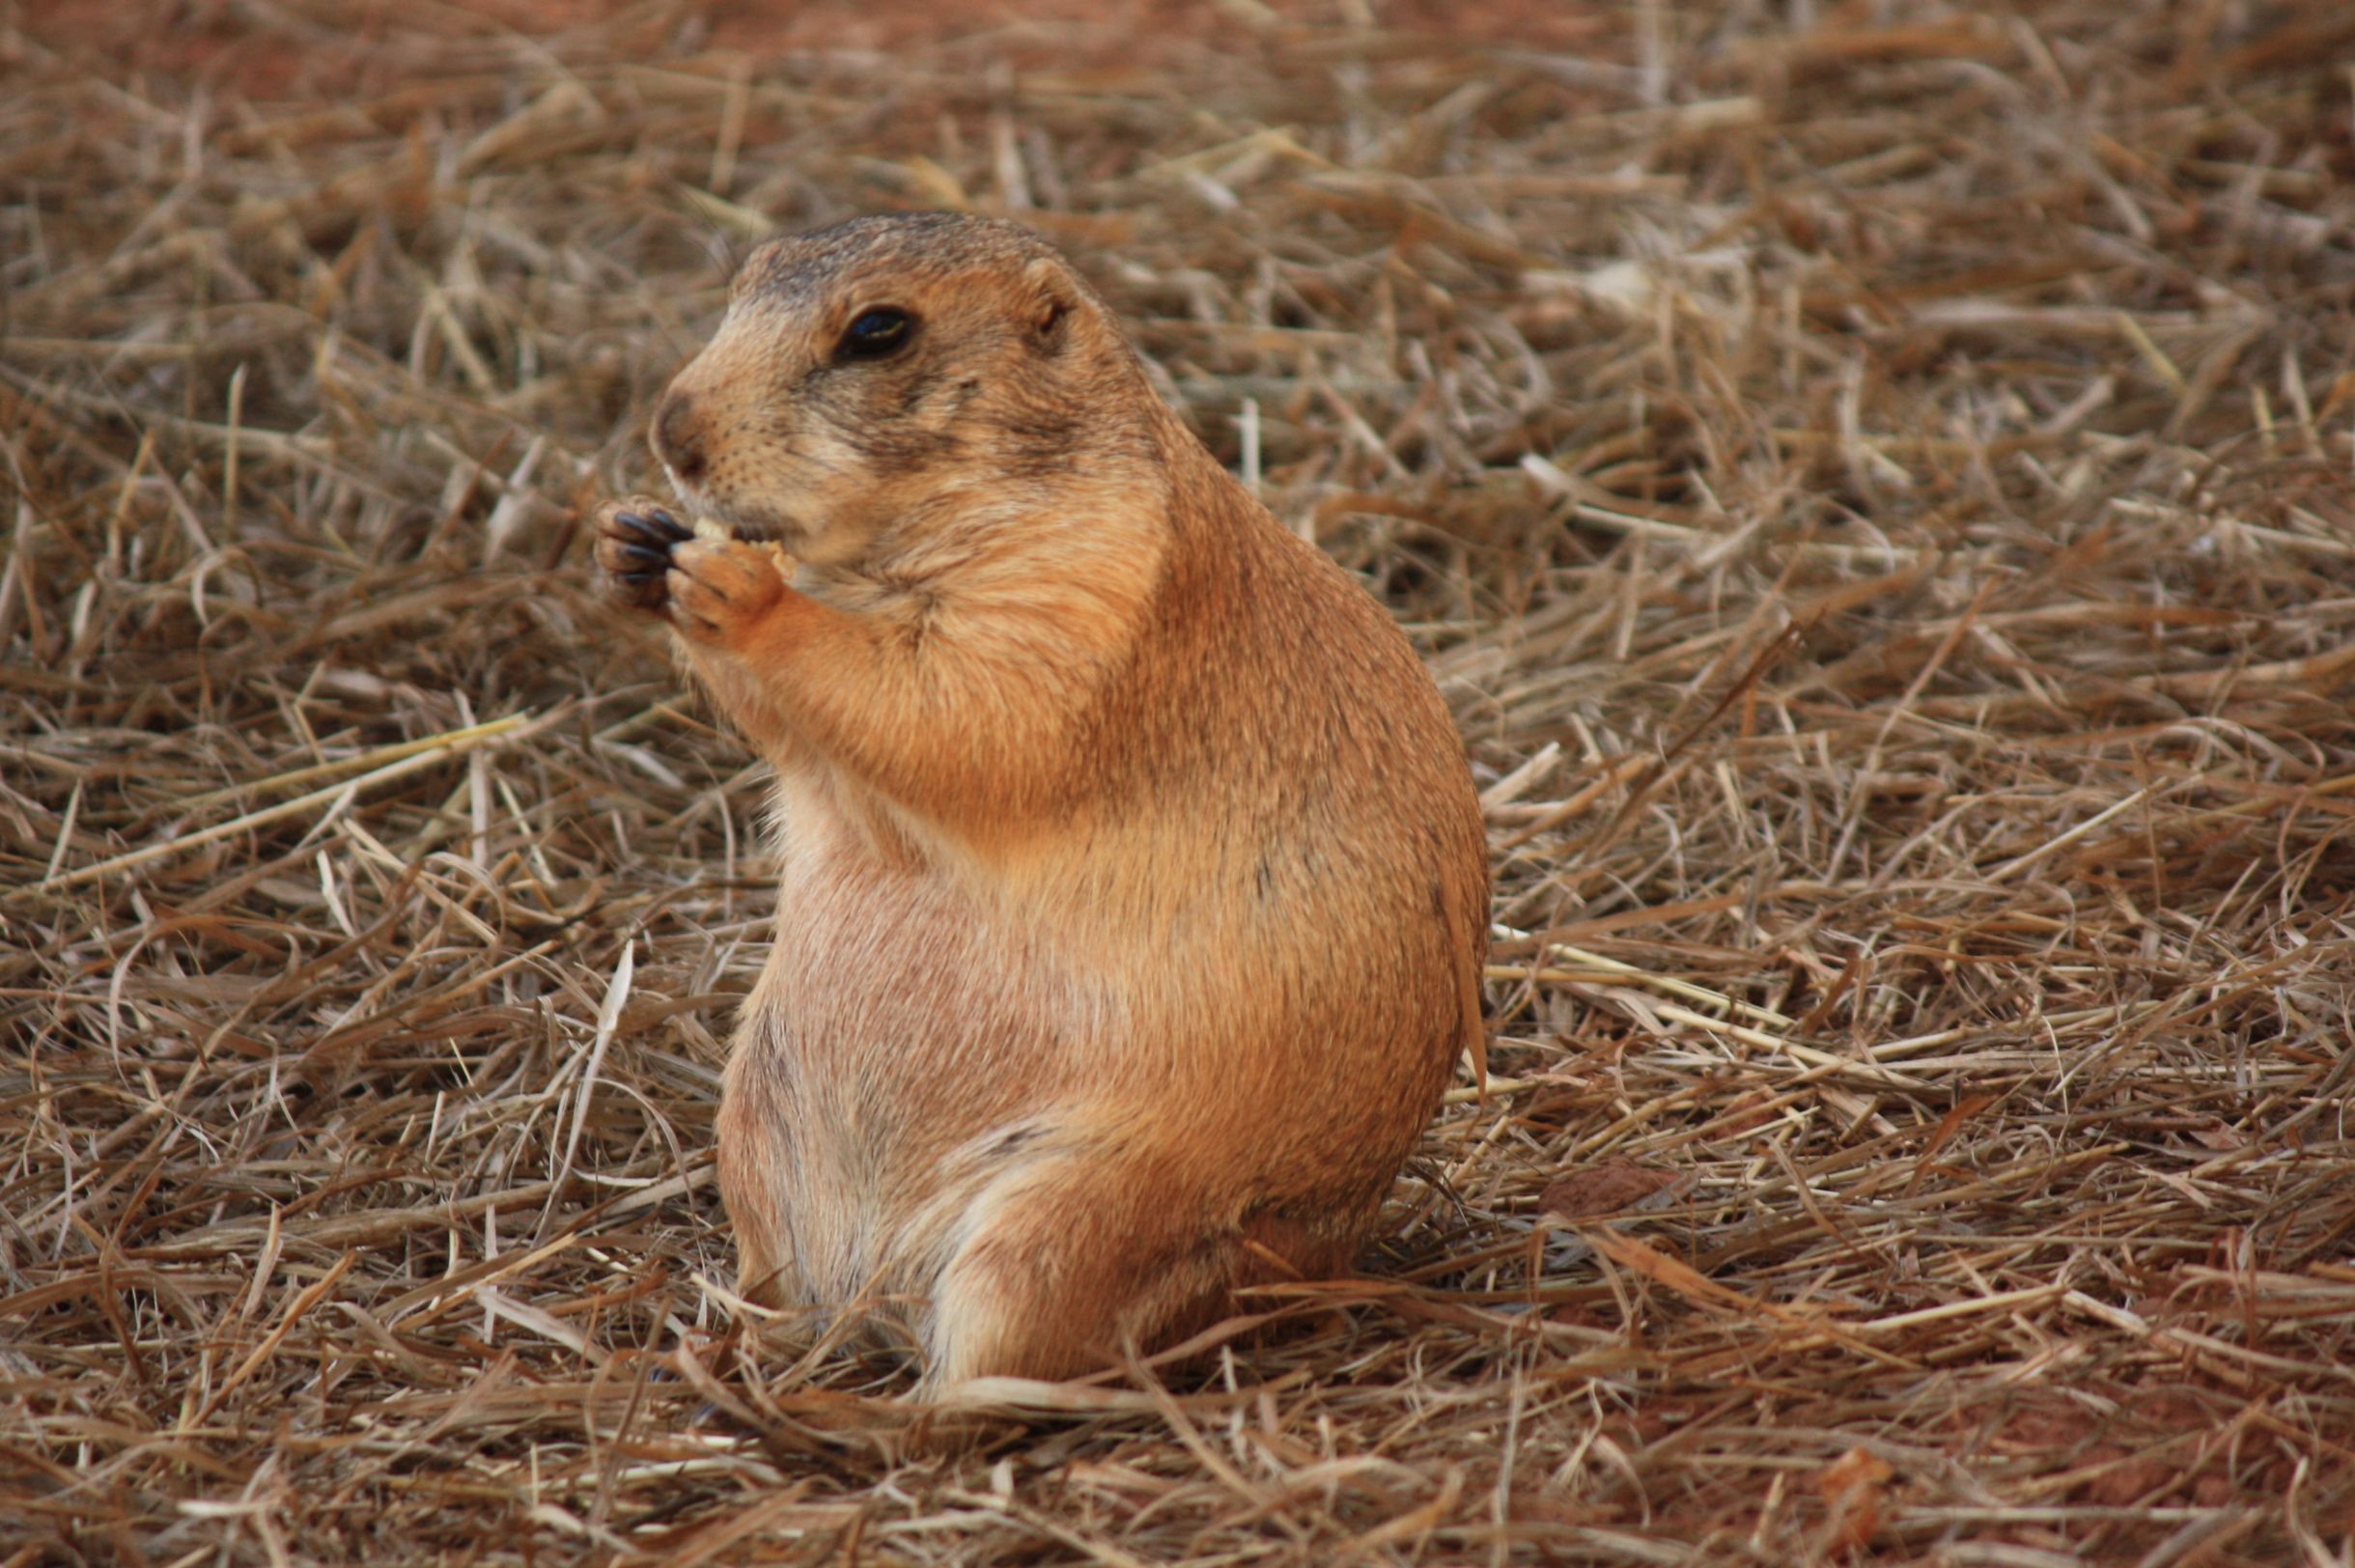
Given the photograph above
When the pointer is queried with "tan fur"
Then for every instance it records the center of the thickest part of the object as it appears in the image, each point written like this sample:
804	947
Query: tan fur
1134	891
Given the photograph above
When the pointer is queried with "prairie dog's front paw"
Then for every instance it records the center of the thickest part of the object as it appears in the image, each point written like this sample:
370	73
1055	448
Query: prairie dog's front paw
719	590
634	542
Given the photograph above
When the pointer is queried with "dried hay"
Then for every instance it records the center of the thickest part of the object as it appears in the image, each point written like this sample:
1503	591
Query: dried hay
1872	479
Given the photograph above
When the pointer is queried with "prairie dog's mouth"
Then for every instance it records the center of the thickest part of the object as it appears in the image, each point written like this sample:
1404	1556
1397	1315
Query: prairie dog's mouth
742	533
718	521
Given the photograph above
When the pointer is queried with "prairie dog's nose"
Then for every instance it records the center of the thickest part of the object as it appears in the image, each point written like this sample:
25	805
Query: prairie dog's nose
678	436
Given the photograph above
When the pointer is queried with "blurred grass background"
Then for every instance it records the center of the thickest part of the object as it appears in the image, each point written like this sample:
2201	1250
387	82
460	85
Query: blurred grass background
1872	479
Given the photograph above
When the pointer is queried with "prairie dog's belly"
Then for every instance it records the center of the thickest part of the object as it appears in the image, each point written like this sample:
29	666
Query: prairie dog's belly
892	977
902	1024
924	1026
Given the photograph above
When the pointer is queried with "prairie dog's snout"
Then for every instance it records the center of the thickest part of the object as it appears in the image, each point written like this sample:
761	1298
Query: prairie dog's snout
1134	891
677	437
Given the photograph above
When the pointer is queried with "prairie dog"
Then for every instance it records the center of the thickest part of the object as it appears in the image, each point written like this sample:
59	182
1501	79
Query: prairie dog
1134	891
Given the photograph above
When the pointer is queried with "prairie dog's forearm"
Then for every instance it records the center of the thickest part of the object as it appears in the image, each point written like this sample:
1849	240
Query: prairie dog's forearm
960	732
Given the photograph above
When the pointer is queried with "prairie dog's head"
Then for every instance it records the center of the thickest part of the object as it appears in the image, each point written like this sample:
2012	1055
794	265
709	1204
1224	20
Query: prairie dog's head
894	373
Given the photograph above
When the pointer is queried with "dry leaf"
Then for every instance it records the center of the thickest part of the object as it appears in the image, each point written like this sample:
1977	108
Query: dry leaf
1613	1186
2214	1134
1852	1485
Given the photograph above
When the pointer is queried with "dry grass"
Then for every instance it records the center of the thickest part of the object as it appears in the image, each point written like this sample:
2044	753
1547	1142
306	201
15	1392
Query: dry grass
1875	490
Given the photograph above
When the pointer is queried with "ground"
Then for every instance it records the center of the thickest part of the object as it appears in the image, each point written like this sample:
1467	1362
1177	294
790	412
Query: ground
1871	479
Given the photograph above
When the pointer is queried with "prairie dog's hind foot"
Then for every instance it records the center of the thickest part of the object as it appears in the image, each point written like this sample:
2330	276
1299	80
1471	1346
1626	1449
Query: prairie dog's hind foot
1080	1261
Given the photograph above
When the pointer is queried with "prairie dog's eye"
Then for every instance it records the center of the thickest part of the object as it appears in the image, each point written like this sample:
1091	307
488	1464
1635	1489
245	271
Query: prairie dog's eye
874	333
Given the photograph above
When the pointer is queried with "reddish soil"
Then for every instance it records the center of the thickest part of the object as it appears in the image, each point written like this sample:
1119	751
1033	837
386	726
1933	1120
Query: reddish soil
213	43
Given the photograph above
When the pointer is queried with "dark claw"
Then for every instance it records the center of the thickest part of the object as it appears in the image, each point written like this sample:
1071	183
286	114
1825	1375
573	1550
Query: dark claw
656	527
635	556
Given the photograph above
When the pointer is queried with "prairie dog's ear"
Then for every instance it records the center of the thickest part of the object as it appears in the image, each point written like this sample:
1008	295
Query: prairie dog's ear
1049	299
